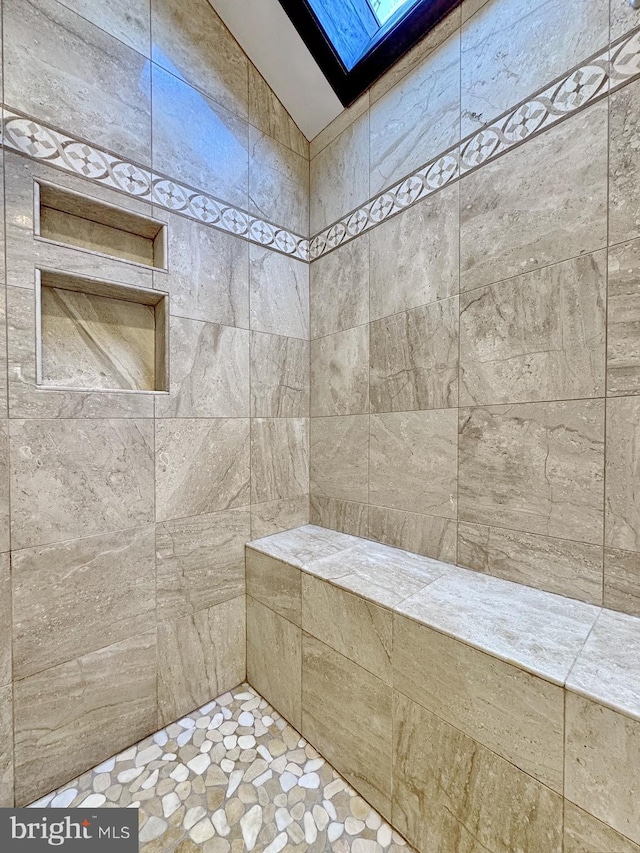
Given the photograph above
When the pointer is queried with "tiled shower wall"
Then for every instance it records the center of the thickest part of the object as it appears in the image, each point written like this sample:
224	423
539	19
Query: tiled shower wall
474	359
123	518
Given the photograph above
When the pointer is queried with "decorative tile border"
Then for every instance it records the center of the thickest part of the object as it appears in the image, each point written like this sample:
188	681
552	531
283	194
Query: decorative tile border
30	137
607	71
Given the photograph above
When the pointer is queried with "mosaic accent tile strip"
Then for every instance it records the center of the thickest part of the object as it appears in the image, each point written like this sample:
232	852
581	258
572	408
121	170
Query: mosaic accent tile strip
233	776
607	71
40	142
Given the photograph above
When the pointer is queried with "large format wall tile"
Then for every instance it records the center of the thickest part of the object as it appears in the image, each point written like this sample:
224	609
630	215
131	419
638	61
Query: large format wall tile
198	140
344	516
541	203
275	516
538	467
423	534
6	747
5	620
202	465
127	20
279	293
267	113
513	713
340	373
275	584
4	485
279	458
540	336
510	50
358	629
623	317
624	172
76	597
622	580
340	175
567	568
104	95
194	44
208	275
339	289
339	457
622	513
200	561
73	716
346	715
414	459
602	759
279	376
417	119
414	359
72	478
452	794
583	833
3	351
414	256
209	371
278	183
199	657
274	659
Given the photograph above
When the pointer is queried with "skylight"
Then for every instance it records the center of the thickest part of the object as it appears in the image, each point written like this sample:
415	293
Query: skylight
385	9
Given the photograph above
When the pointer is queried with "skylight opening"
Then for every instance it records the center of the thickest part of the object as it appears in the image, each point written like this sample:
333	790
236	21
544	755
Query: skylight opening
386	9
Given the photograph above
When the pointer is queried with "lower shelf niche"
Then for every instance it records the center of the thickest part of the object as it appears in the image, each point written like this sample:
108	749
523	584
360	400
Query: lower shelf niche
94	335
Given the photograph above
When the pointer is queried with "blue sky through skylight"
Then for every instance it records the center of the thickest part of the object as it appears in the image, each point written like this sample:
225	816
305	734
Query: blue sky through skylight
384	9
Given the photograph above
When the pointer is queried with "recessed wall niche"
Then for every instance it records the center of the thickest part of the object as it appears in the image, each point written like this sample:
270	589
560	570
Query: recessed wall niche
67	217
95	335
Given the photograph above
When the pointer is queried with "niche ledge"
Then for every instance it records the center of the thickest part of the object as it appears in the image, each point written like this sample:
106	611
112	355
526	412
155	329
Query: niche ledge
94	336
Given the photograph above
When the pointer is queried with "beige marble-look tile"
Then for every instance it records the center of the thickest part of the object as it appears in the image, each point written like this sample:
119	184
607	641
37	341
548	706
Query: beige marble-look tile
358	629
451	794
267	113
414	458
200	656
76	597
414	256
538	467
414	359
516	715
418	118
624	191
275	584
200	561
339	288
340	373
3	351
72	478
275	516
423	534
127	20
340	175
622	18
602	756
540	336
346	715
540	632
6	747
622	508
622	580
279	288
584	833
339	457
606	669
340	123
470	7
209	375
194	44
5	621
279	458
71	717
5	515
623	317
538	204
509	51
199	256
279	376
105	93
278	183
274	659
345	516
567	568
198	141
303	546
202	465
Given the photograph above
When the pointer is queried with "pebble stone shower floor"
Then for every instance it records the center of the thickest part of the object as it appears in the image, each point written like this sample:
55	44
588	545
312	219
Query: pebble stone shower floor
232	776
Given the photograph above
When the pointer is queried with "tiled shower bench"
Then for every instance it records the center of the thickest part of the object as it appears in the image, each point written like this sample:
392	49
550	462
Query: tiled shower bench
474	713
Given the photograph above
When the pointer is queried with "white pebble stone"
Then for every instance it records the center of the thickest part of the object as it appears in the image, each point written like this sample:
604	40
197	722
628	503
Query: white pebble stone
288	781
203	722
227	765
234	782
353	826
384	835
180	773
186	723
313	764
246	719
230	742
334	788
193	816
260	780
278	844
206	746
206	709
169	756
199	764
134	805
267	721
216	721
101	782
161	737
43	803
228	727
309	780
244	697
152	781
93	801
147	755
260	729
320	816
170	804
128	754
334	831
365	845
246	741
152	829
226	713
310	828
373	820
184	738
283	819
293	768
219	820
64	798
106	766
202	832
264	752
251	824
331	809
129	775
